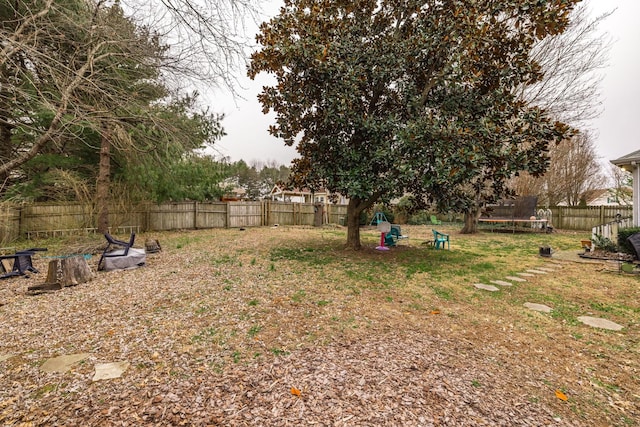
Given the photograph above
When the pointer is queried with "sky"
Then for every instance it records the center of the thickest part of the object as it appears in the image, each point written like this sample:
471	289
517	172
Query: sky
614	130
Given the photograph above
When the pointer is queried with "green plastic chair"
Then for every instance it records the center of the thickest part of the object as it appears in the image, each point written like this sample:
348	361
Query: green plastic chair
435	221
440	239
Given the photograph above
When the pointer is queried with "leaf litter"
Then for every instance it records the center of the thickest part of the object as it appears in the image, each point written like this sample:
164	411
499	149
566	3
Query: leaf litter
224	334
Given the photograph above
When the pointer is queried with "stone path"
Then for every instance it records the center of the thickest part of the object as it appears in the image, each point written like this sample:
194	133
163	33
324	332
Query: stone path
539	271
64	363
597	322
538	307
502	283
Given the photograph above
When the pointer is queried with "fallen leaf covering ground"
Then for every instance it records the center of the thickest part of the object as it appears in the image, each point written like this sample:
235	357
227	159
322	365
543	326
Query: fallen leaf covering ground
283	326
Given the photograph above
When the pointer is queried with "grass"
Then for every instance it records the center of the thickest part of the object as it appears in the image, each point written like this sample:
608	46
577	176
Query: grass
267	293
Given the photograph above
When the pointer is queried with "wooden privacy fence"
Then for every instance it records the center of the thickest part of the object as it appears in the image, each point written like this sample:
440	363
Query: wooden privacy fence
586	217
46	220
40	220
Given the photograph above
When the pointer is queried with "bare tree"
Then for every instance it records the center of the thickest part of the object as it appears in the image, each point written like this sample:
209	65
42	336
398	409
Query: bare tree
208	43
572	63
573	170
621	185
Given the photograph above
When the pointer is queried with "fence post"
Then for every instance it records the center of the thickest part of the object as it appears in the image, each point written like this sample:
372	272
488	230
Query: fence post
560	219
195	214
268	213
228	215
21	222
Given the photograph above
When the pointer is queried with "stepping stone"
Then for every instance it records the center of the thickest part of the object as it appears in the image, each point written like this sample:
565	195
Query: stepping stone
108	371
538	307
501	283
597	322
62	363
489	288
537	271
4	357
526	274
547	269
516	279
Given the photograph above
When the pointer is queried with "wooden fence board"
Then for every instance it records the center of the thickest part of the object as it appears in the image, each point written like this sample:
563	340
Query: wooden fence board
245	214
55	217
9	224
585	218
172	216
211	215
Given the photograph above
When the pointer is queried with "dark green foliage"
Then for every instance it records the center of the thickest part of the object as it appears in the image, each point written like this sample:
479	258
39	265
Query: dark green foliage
420	218
78	74
189	177
623	235
605	244
385	98
258	180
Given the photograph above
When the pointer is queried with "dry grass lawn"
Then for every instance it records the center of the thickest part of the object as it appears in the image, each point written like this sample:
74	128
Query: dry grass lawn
283	326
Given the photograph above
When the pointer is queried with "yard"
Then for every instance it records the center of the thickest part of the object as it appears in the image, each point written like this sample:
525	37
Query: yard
282	326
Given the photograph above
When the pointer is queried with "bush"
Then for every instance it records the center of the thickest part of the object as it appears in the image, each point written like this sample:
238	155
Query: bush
385	209
420	218
623	234
605	244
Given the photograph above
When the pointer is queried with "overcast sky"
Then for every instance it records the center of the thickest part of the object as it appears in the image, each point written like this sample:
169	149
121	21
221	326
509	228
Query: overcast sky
616	133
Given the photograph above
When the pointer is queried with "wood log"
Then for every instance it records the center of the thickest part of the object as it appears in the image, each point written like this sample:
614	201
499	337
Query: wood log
65	272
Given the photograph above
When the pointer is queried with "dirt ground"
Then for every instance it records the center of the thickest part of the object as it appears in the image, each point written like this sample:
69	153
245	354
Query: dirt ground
283	326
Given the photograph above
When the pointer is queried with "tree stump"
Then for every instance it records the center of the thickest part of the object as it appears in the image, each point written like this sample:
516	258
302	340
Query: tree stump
65	272
152	246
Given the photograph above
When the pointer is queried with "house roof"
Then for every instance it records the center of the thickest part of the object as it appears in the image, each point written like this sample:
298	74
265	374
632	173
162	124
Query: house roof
630	159
295	191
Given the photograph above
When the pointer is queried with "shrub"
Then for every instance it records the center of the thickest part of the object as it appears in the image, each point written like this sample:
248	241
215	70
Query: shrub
420	218
623	244
604	243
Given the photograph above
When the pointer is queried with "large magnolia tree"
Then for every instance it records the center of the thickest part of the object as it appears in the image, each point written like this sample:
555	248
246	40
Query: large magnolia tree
383	97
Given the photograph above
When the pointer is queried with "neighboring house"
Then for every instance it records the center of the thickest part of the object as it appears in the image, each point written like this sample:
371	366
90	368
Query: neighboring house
304	196
631	163
234	194
296	195
606	197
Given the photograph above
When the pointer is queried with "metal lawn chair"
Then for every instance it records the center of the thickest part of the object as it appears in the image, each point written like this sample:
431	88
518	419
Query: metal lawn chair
116	248
22	263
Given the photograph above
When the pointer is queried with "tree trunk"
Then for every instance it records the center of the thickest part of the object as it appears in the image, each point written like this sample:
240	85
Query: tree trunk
353	224
102	183
6	146
471	221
